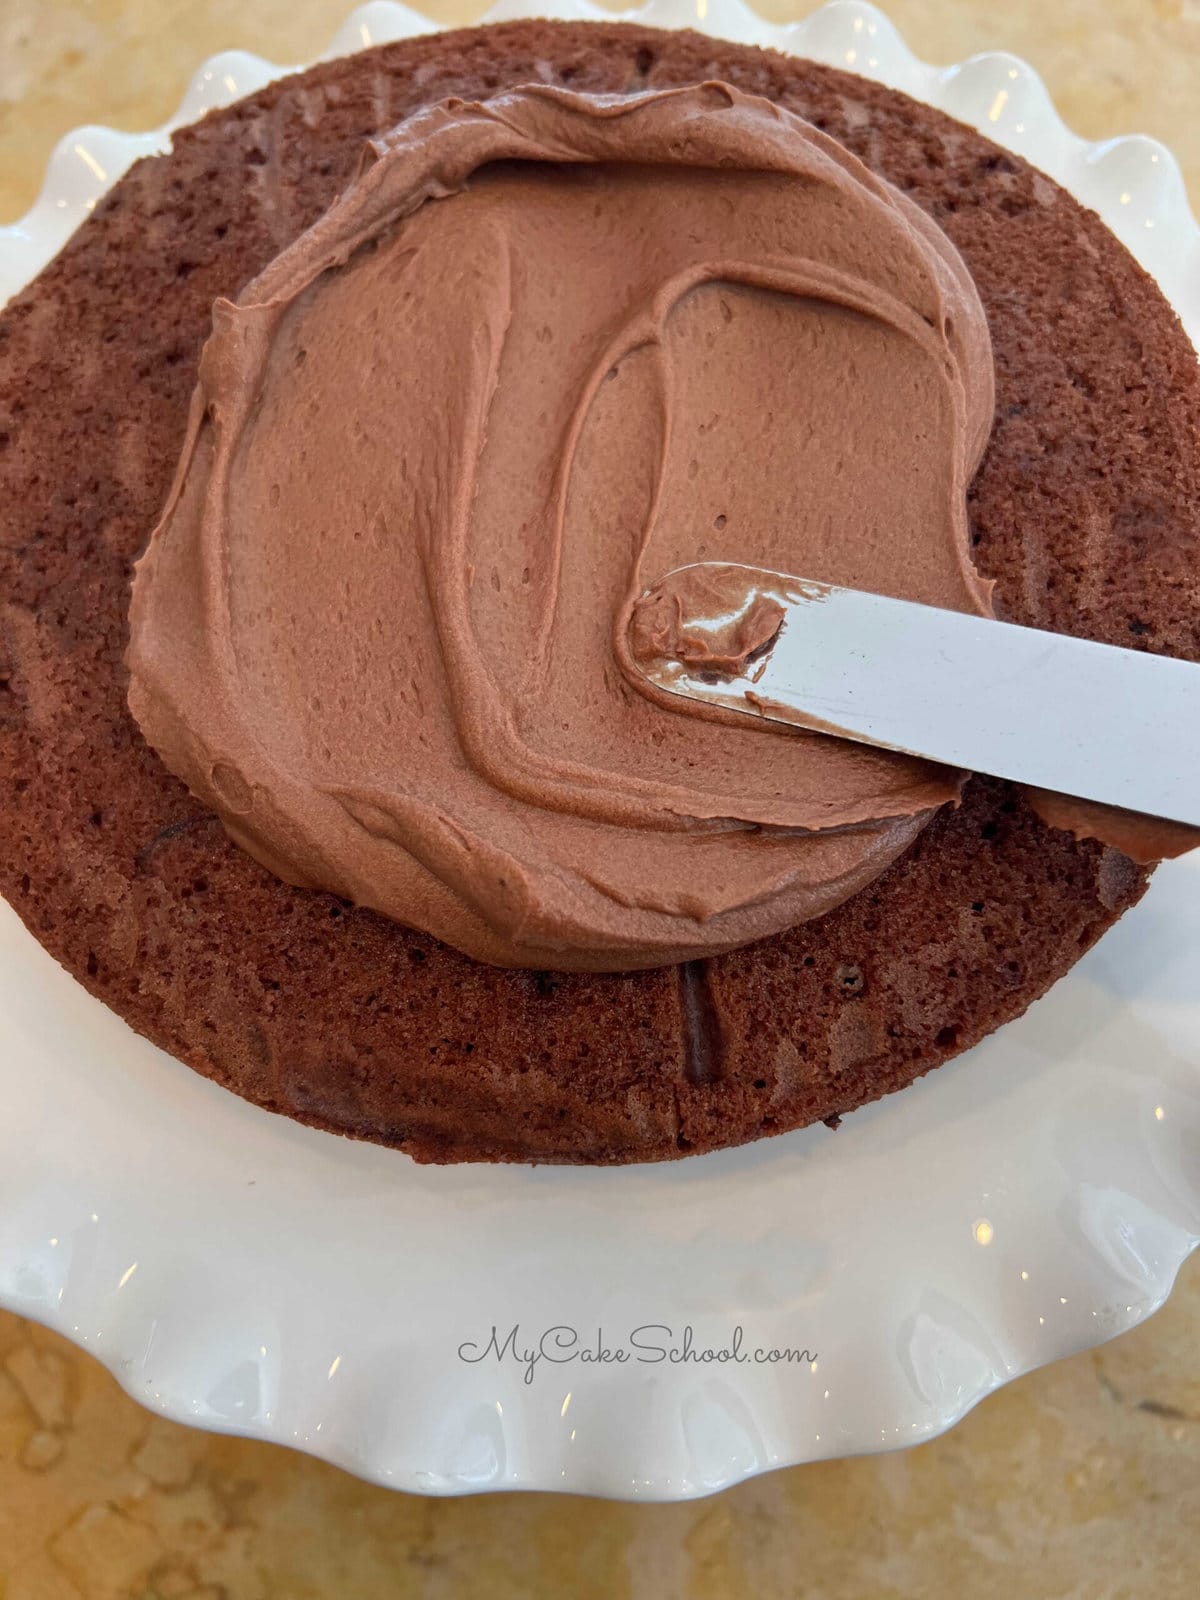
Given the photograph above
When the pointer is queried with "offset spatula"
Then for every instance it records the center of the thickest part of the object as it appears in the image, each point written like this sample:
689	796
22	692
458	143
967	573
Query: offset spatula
1094	721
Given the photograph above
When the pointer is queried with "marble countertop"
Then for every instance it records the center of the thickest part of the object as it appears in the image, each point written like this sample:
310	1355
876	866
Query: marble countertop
1082	1480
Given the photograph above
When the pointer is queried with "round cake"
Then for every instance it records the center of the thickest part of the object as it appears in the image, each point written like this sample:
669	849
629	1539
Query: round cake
1085	512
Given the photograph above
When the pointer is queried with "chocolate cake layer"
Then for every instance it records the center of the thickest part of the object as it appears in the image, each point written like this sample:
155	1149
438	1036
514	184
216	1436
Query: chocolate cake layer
1086	510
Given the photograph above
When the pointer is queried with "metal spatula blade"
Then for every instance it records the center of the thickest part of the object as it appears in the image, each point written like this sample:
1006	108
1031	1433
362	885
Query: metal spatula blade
1116	726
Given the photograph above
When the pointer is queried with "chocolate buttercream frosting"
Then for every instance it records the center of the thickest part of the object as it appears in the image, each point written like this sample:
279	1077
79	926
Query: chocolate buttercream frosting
706	620
542	351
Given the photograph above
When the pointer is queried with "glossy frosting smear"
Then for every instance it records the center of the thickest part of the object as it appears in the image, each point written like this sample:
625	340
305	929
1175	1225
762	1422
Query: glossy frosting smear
703	619
542	351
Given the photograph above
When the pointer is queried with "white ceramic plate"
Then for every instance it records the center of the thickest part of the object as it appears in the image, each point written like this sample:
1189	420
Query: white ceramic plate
241	1272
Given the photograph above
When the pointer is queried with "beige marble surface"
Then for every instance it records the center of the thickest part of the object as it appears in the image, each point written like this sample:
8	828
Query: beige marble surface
1081	1481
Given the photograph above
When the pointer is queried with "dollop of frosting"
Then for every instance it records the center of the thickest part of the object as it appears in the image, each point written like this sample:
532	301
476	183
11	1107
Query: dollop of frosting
542	351
697	623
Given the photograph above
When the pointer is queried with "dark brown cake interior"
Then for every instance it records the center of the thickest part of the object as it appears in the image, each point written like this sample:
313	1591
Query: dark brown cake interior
1086	509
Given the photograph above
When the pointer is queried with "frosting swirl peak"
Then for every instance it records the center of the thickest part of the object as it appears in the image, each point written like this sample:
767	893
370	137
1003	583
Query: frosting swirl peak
543	350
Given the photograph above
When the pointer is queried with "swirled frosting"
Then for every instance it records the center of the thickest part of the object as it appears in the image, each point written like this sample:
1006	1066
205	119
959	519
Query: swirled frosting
543	350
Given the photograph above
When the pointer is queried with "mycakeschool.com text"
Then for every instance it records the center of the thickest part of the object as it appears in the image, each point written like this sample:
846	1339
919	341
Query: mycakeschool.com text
649	1344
